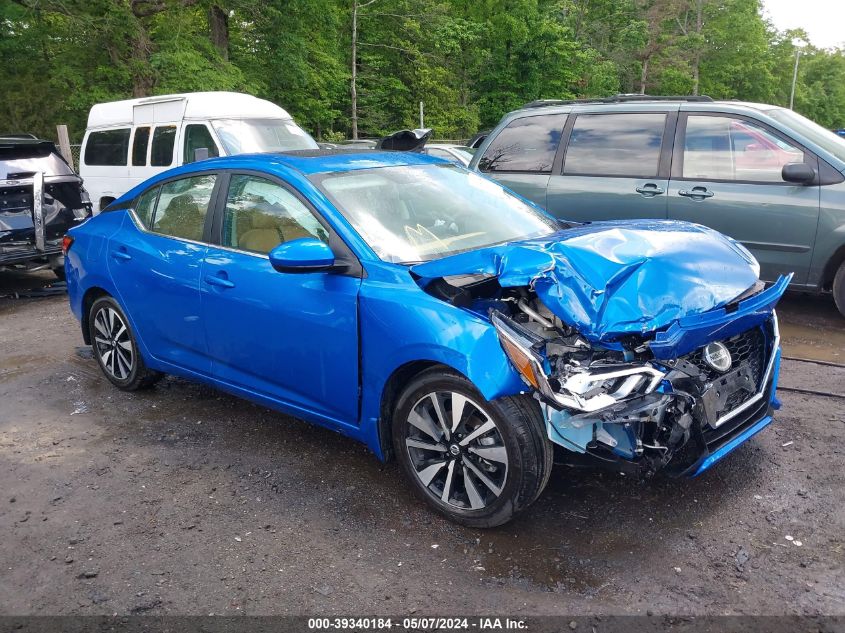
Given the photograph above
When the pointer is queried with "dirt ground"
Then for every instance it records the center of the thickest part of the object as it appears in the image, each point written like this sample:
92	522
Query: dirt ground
184	500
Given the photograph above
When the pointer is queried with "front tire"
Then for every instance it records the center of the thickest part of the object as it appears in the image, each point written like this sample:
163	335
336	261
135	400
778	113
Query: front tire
115	347
839	289
474	461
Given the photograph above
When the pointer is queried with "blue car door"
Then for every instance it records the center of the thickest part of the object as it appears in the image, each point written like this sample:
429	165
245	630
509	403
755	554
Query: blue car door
292	337
155	261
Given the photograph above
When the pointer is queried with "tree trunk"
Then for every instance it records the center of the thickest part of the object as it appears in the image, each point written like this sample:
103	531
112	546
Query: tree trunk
644	75
143	79
353	88
218	22
696	62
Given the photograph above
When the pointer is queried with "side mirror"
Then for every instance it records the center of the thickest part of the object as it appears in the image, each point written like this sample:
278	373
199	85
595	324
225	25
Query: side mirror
200	153
303	255
798	173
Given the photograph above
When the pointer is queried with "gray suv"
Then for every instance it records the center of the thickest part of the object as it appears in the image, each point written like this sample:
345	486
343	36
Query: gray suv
762	174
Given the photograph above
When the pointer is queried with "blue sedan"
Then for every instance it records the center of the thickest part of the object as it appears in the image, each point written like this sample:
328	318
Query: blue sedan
433	315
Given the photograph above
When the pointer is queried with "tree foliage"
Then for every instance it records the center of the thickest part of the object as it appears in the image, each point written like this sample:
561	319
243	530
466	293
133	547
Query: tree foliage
469	61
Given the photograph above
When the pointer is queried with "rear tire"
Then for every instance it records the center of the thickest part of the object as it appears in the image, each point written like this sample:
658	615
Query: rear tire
839	289
479	468
115	347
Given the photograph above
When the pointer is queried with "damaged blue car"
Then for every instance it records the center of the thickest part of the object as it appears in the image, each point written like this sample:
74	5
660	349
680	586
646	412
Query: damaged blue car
433	315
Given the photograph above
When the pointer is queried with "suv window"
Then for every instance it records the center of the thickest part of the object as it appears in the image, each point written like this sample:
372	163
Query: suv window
164	139
139	146
615	144
727	148
526	144
260	215
182	207
196	137
107	148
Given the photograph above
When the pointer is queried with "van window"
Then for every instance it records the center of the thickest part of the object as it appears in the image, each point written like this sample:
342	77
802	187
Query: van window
164	140
182	207
197	137
108	147
726	148
526	144
615	145
139	146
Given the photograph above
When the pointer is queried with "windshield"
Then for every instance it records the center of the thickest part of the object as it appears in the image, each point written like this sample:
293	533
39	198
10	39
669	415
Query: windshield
411	214
814	132
245	136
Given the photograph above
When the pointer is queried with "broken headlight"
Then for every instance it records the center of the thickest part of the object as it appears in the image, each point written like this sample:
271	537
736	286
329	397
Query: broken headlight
585	388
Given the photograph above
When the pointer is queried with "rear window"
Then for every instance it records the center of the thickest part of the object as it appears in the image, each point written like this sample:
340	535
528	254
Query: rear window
526	144
107	148
615	145
164	140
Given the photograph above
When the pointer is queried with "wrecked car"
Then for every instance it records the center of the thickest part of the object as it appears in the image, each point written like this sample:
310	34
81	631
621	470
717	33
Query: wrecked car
433	315
40	199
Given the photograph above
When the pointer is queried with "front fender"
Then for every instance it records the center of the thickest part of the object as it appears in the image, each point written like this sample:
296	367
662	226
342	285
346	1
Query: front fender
401	324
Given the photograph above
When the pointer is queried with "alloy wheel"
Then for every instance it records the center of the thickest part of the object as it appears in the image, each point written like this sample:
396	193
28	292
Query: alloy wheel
456	450
113	343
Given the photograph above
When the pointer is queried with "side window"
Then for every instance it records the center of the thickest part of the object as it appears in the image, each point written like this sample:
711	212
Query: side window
164	139
260	215
526	144
196	137
726	148
615	145
182	207
139	146
107	148
146	205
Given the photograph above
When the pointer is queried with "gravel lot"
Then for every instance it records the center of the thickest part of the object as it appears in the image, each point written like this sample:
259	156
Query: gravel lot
184	500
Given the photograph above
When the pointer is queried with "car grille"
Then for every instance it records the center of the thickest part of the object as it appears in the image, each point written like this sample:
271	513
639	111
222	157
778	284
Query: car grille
747	349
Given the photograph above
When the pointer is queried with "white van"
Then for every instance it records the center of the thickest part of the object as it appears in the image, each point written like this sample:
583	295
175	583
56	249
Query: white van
126	142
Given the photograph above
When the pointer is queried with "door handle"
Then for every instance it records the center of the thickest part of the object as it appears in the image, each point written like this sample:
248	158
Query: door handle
697	193
650	190
121	255
221	282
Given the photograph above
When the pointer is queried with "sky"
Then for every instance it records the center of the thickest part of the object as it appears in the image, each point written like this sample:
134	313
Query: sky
824	20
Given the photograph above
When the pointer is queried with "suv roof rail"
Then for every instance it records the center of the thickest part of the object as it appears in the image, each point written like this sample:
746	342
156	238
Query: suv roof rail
19	136
620	98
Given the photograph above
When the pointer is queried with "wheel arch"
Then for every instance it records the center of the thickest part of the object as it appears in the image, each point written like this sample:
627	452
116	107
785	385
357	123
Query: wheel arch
88	299
393	387
830	268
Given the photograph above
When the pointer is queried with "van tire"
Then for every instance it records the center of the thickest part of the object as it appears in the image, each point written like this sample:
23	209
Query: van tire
839	289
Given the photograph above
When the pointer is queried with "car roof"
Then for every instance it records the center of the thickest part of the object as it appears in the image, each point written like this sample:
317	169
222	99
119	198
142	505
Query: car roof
318	161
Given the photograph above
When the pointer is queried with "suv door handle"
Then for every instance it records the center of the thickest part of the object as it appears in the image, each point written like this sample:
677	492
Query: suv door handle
697	193
121	255
650	190
217	280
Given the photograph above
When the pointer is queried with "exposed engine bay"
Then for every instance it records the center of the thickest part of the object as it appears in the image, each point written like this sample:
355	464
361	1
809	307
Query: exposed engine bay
614	400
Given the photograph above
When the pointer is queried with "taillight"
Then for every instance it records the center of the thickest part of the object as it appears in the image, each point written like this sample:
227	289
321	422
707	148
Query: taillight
67	242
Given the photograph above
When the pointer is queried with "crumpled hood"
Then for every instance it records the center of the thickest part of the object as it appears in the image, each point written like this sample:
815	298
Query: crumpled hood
614	278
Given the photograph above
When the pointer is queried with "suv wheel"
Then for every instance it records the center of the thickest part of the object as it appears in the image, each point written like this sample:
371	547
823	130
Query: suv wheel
476	462
839	288
115	348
